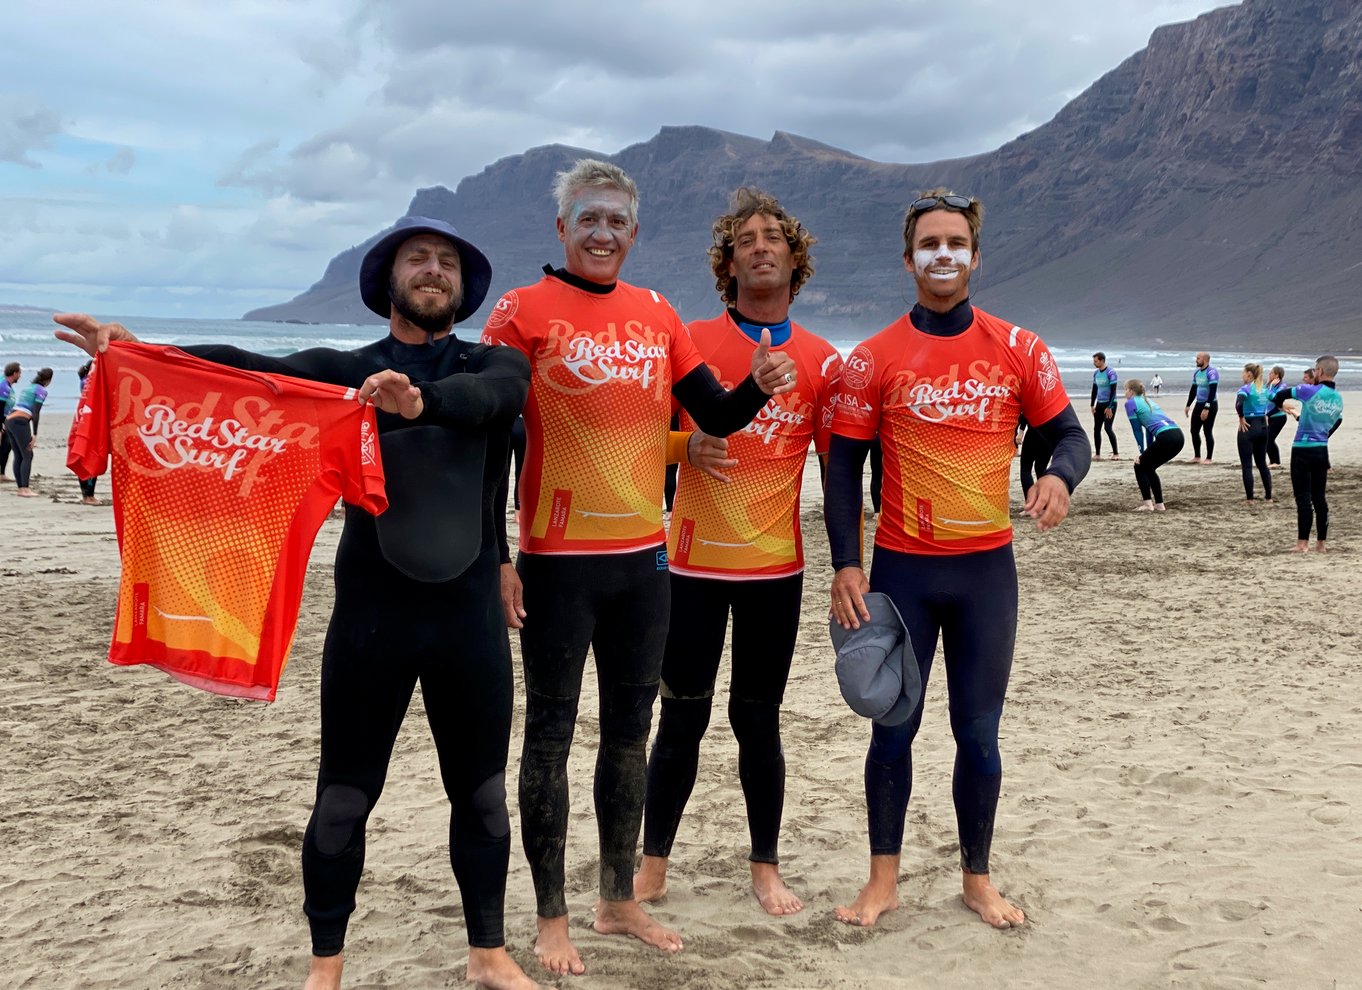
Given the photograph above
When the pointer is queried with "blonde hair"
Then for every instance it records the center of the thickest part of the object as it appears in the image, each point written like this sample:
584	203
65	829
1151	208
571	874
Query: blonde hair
1256	370
1135	385
748	202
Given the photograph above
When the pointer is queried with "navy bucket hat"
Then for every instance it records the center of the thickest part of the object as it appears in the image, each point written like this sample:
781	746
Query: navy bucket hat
377	265
876	668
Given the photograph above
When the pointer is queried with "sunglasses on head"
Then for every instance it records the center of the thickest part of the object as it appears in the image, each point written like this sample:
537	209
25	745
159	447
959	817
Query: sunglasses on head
950	202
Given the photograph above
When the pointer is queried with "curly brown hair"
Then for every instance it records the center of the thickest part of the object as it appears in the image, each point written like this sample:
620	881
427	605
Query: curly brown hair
747	202
974	216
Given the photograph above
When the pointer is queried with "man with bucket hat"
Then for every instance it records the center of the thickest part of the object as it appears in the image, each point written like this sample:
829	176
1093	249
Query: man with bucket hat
943	387
417	591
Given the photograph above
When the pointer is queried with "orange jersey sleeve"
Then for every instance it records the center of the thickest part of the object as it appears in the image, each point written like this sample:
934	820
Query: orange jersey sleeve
601	372
221	479
946	409
750	527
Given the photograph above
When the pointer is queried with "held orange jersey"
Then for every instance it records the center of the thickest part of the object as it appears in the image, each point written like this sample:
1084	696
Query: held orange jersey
221	479
601	372
946	410
750	527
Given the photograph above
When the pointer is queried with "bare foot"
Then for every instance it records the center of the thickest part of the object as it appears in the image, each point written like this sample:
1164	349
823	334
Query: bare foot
494	969
1144	507
773	895
1319	546
25	493
89	500
628	918
1196	460
878	896
555	950
650	882
1160	507
1302	546
983	899
326	973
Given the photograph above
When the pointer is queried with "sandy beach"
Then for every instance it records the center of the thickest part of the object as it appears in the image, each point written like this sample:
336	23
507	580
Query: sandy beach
1182	799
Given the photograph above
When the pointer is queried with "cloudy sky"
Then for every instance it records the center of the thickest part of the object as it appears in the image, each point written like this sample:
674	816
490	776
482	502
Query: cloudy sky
202	157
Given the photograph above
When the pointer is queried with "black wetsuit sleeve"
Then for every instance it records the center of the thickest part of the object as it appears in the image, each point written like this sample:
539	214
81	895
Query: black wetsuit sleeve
1191	394
1072	453
842	499
1210	392
499	513
318	364
1092	400
716	410
1239	404
1282	395
491	391
1337	423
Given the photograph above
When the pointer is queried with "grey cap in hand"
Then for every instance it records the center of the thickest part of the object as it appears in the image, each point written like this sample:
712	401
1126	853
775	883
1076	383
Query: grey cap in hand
876	668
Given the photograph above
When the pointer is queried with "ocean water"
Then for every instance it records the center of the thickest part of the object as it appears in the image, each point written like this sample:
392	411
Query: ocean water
27	338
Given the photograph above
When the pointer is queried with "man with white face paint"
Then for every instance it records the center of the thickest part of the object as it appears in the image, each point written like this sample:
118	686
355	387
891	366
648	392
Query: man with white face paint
944	386
606	359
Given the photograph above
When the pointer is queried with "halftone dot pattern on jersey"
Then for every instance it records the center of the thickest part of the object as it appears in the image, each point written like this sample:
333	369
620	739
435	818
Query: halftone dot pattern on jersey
218	500
751	526
946	410
596	421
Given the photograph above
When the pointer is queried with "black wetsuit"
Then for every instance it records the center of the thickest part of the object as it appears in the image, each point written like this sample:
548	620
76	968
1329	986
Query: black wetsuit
617	605
417	599
1035	456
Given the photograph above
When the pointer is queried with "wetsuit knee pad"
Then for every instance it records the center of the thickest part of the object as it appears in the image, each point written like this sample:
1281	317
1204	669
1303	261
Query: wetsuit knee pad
684	720
341	810
756	724
489	805
627	712
976	742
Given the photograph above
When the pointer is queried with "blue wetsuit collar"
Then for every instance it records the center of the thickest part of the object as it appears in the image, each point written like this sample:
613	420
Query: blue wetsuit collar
780	332
951	323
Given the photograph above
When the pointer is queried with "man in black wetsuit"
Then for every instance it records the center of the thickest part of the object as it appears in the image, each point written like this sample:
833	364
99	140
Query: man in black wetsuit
944	386
416	588
607	360
1202	405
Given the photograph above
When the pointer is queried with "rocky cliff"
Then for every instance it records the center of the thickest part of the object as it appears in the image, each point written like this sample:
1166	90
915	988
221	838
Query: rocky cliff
1205	191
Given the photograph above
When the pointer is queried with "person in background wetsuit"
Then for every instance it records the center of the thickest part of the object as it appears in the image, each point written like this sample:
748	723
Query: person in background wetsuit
1103	404
1251	404
735	548
607	360
945	386
1202	406
23	408
1320	416
7	386
1159	440
1276	416
417	591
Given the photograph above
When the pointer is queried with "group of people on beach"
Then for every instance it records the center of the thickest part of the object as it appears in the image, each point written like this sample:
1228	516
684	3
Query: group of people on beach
598	367
1261	407
23	406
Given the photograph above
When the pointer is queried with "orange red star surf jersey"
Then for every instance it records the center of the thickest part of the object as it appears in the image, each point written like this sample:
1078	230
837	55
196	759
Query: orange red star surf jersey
601	372
946	410
221	479
750	527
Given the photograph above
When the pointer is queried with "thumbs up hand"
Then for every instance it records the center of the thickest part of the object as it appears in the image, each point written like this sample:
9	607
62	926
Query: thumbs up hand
774	373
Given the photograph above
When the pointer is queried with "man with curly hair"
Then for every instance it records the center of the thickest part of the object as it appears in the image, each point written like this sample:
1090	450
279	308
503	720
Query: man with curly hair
735	548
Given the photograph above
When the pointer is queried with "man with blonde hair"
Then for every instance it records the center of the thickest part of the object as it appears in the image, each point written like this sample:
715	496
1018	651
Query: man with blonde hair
607	358
736	548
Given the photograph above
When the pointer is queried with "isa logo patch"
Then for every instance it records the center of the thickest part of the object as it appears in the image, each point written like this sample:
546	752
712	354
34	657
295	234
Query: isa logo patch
662	560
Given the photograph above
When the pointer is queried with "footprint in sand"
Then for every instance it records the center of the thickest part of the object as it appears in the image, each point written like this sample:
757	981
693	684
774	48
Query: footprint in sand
1332	813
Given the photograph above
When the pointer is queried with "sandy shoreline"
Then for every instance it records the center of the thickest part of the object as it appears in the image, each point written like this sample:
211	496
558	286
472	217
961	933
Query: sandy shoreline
1182	800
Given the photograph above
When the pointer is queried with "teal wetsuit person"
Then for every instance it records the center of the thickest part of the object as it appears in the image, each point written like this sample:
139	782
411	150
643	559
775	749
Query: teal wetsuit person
1321	414
1202	405
1103	403
1252	403
1276	417
1158	439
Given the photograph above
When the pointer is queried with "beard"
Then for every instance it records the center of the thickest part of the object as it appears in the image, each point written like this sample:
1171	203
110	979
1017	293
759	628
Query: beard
423	312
